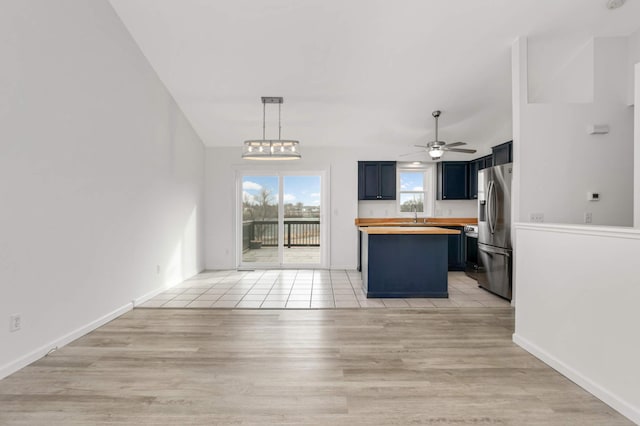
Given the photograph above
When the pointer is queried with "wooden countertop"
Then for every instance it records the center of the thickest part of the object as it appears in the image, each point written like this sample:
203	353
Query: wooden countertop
407	230
406	221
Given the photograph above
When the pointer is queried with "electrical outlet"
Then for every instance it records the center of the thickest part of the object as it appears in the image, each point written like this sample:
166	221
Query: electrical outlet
158	269
536	217
15	322
588	217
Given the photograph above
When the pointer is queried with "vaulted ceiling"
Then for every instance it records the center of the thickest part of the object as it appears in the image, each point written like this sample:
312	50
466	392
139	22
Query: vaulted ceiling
352	72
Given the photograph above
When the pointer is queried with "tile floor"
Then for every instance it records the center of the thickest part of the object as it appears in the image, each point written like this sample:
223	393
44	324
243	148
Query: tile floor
305	289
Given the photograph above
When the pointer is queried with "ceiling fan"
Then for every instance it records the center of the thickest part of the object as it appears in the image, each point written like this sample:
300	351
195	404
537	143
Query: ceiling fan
437	147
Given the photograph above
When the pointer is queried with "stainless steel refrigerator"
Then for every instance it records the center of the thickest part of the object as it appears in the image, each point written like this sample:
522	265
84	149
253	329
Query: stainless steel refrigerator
494	229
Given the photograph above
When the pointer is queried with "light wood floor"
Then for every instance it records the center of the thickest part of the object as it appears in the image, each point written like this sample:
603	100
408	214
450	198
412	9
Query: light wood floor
453	366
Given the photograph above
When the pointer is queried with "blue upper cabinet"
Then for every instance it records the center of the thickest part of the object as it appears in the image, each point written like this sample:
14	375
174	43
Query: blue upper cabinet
376	180
474	167
503	153
458	180
488	161
453	180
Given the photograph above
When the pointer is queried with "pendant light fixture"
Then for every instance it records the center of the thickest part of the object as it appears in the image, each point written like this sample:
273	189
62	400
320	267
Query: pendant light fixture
271	149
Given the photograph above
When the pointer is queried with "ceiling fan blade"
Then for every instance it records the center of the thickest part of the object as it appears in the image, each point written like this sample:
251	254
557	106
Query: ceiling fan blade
466	151
450	145
422	146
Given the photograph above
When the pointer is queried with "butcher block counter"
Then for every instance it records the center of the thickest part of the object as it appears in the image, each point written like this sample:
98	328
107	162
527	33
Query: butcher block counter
422	221
405	261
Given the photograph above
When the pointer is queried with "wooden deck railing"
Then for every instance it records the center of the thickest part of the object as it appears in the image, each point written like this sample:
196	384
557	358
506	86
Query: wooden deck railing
297	233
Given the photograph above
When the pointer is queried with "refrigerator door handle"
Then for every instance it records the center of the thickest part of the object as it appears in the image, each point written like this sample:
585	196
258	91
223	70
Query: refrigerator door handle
491	207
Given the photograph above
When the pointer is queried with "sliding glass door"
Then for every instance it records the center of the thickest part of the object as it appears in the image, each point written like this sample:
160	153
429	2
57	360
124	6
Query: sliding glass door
301	225
260	219
281	220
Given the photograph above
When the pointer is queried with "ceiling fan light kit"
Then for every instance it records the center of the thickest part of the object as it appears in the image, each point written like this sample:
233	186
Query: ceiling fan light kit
437	148
435	152
271	149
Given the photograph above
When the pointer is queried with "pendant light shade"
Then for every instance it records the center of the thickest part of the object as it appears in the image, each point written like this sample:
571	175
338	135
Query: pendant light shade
271	149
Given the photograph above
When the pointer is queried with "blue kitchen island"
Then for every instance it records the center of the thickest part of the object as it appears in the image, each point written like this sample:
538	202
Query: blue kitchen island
400	261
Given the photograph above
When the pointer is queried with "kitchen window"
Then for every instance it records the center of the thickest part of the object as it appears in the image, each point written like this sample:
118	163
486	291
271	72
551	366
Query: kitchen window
414	191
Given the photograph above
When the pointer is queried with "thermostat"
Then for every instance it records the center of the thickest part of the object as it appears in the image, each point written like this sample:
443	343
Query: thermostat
593	196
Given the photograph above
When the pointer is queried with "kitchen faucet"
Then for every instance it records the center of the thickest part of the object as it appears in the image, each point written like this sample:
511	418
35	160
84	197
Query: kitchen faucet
415	213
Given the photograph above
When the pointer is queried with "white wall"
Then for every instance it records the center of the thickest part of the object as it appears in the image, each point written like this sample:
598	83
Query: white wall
561	69
101	176
636	152
457	208
446	208
576	286
558	161
577	306
634	91
634	58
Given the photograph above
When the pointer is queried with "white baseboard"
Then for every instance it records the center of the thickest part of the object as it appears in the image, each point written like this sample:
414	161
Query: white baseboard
345	267
35	355
606	396
153	293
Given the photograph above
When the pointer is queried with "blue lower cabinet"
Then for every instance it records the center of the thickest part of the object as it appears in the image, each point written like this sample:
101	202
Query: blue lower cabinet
455	249
404	265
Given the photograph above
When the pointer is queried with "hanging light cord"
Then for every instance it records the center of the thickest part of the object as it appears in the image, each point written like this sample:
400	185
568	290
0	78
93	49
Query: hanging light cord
279	125
264	106
264	120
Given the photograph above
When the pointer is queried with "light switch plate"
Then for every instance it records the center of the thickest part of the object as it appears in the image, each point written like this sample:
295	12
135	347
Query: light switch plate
588	217
15	322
